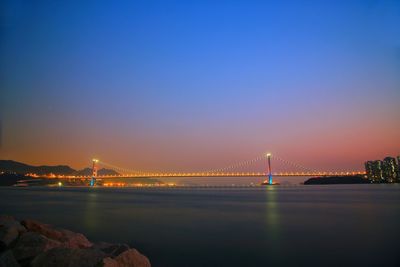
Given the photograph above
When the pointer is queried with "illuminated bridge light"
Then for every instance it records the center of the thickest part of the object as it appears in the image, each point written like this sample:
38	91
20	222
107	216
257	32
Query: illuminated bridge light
222	172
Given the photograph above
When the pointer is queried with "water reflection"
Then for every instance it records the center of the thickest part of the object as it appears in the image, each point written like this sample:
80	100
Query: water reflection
91	207
273	223
272	209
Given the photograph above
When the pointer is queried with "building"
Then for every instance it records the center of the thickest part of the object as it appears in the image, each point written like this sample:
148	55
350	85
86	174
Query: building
383	171
369	170
374	171
398	169
390	169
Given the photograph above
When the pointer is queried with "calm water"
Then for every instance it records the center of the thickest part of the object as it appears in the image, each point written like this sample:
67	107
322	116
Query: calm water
343	225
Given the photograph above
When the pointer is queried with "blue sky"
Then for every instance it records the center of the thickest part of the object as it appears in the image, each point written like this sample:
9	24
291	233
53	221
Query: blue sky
188	84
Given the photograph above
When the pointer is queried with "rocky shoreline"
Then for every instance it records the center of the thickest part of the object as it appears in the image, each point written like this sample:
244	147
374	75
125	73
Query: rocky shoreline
32	243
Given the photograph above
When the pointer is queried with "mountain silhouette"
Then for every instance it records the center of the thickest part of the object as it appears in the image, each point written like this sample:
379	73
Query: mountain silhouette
11	166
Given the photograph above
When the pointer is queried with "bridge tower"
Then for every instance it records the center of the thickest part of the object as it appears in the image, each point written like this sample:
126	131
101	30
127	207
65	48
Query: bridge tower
269	169
94	172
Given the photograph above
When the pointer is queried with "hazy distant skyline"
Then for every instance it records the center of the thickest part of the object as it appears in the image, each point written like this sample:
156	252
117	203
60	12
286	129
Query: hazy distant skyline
199	84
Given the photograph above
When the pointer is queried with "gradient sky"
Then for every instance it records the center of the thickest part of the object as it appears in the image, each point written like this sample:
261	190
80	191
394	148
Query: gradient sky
192	85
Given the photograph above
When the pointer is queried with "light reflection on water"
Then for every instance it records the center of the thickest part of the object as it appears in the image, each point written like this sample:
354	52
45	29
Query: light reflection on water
91	218
294	180
273	223
340	225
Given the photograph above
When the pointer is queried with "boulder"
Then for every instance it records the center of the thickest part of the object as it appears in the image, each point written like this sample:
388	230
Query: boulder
31	244
36	244
44	229
111	250
68	257
7	236
132	258
10	229
9	221
68	238
108	262
6	220
3	247
101	245
7	259
74	240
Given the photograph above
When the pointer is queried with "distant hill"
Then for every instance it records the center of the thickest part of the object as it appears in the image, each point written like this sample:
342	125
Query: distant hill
11	166
21	168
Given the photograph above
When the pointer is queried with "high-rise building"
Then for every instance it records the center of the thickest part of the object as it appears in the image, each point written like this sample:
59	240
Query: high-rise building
386	170
369	170
398	169
389	169
374	171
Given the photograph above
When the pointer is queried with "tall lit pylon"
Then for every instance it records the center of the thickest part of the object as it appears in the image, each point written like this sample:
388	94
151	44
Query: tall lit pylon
94	172
269	169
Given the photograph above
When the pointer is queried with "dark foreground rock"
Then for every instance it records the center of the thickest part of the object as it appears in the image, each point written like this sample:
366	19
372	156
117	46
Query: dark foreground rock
130	257
32	243
65	257
66	237
10	229
111	250
7	259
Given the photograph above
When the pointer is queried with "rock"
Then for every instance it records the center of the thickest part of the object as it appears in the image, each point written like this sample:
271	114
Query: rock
7	235
36	244
102	245
6	218
31	244
132	258
74	240
68	238
7	259
42	228
108	262
112	250
68	257
10	229
9	221
3	247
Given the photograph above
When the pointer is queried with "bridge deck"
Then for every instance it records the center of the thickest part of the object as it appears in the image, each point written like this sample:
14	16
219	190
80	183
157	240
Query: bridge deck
242	174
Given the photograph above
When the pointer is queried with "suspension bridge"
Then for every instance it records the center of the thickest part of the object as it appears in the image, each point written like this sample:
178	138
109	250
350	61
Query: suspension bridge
222	172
